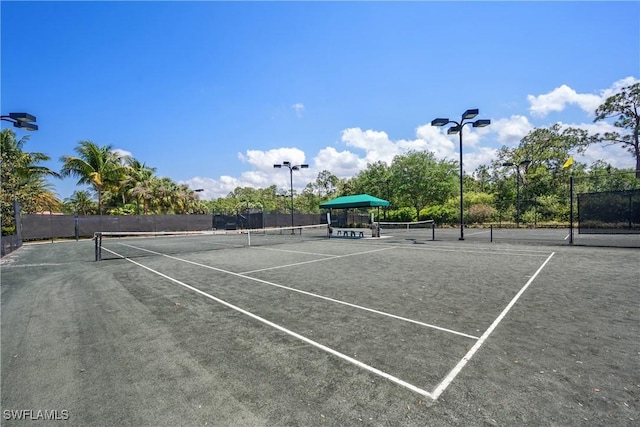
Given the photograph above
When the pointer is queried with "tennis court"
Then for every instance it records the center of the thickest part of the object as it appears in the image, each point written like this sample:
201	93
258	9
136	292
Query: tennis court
391	331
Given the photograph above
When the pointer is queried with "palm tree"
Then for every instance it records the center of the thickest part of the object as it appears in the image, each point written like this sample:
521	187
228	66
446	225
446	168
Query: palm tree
23	179
138	183
81	202
97	166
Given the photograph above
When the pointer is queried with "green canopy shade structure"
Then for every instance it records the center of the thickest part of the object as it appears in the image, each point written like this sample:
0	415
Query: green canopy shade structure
355	201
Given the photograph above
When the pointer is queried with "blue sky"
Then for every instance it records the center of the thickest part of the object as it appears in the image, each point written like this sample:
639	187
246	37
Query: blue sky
212	94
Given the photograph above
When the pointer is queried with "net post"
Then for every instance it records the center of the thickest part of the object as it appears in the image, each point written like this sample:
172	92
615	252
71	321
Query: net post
433	231
491	233
97	245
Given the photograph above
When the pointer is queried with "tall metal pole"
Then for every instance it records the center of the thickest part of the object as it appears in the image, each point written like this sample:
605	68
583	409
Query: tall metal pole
291	175
571	210
461	191
517	196
469	114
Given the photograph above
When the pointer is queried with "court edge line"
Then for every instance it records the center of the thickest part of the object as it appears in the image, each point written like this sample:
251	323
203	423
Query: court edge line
311	294
456	370
290	332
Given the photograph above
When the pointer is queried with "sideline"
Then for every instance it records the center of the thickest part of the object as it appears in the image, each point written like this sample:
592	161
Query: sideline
456	370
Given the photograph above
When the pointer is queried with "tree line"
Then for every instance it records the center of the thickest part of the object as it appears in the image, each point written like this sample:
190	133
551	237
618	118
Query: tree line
526	183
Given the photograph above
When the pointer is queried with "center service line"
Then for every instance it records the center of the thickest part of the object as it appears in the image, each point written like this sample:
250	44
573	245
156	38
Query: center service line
290	332
311	294
456	370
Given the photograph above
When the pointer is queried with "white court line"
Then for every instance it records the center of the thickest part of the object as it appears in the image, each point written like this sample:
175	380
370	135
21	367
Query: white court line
314	260
484	251
456	370
44	264
479	249
290	332
311	294
290	251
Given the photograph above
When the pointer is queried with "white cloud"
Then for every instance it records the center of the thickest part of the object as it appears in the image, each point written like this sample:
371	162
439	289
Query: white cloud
483	156
557	100
298	108
122	153
617	86
342	164
560	97
264	160
511	130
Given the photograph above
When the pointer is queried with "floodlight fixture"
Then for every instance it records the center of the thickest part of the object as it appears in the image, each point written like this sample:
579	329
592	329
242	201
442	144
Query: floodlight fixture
439	122
25	125
291	169
470	114
454	130
481	123
24	121
22	117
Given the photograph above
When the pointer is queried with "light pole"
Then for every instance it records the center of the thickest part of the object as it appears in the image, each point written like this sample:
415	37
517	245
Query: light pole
291	169
517	166
468	115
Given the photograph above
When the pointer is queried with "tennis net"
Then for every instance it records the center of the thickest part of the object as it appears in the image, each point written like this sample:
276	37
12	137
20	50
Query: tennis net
407	226
114	244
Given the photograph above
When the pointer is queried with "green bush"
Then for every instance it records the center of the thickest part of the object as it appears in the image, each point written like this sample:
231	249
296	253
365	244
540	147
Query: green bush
440	214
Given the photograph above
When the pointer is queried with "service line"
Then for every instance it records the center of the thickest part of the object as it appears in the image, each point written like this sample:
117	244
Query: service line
311	294
330	258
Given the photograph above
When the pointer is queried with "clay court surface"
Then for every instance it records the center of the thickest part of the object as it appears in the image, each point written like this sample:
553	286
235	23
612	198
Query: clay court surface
337	332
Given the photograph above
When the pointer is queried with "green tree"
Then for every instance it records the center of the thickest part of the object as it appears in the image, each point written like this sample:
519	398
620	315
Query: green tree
97	166
624	108
419	179
373	180
138	183
23	179
80	202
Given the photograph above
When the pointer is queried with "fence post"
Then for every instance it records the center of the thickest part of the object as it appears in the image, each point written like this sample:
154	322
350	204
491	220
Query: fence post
17	220
571	210
76	226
